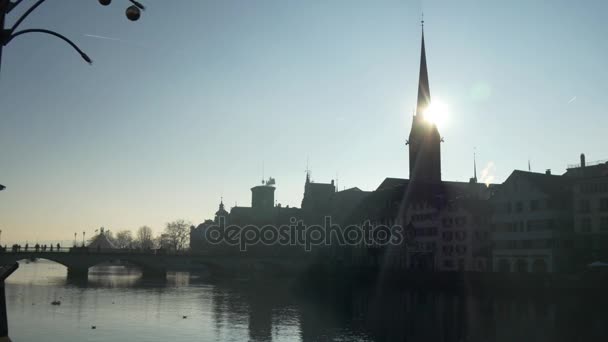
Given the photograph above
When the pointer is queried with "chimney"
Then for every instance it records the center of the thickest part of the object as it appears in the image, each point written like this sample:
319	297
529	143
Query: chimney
548	172
582	160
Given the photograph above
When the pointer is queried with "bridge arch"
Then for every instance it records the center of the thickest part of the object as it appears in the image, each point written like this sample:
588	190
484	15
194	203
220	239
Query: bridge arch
21	258
78	264
29	260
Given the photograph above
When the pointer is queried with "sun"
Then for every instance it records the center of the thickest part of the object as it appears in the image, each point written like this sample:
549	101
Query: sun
437	112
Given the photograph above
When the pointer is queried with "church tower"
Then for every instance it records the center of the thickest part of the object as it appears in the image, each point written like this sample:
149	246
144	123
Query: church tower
424	141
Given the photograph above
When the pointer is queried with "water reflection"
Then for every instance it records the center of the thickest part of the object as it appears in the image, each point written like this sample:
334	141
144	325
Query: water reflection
185	307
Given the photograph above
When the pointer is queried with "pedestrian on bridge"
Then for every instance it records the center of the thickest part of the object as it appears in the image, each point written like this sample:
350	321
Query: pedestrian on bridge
37	247
51	248
58	247
26	247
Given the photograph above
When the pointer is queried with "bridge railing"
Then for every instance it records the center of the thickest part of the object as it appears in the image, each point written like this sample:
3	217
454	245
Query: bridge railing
48	250
32	249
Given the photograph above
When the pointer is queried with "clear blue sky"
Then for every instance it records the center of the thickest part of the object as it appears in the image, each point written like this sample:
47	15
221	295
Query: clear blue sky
186	105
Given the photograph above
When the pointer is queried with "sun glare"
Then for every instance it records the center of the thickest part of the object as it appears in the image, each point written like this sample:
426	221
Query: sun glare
437	113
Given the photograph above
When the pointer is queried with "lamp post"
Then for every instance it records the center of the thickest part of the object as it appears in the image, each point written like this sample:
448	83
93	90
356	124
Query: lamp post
133	13
83	239
75	242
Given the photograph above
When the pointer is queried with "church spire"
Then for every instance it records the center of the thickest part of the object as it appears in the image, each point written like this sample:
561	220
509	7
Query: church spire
424	92
424	140
474	179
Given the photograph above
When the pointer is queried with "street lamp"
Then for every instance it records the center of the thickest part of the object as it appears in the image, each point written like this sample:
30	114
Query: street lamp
133	13
82	239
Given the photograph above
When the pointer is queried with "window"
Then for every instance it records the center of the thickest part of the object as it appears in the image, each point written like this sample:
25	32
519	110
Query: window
461	235
461	249
519	207
586	225
604	204
584	206
447	236
534	205
604	223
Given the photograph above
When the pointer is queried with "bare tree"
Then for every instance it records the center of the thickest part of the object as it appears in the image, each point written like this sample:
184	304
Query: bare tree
123	239
144	238
177	234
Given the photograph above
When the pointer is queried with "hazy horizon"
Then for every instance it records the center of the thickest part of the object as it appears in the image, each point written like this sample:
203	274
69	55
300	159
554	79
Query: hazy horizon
199	100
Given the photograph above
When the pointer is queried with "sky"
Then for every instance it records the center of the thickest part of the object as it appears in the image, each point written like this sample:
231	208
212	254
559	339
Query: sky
199	100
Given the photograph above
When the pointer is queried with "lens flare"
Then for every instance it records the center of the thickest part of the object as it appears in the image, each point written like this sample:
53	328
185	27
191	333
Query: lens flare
437	112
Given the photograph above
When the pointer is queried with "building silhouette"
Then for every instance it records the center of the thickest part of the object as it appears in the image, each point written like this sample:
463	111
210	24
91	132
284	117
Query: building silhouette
590	210
533	222
320	200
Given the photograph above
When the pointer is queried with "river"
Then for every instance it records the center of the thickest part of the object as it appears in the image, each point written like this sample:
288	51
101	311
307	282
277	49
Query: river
116	304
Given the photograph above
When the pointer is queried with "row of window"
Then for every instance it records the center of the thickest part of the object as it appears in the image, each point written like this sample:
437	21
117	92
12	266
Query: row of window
584	205
450	221
594	188
423	217
459	235
533	244
450	250
533	205
587	224
522	265
525	226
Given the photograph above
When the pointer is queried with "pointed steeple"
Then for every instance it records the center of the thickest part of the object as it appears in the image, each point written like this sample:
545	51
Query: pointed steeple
307	172
424	139
424	92
474	179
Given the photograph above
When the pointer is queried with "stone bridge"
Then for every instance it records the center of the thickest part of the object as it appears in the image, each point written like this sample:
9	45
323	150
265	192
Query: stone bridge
154	264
